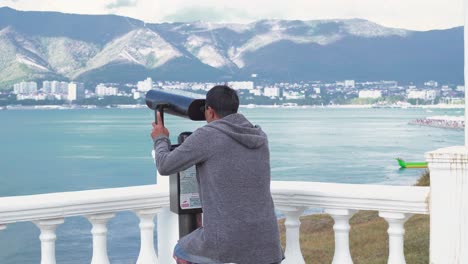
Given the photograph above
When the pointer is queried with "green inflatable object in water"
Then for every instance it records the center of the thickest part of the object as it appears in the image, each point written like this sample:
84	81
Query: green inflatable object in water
404	164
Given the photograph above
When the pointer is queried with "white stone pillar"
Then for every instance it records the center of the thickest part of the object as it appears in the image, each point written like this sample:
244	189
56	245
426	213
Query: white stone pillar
48	238
292	252
341	227
147	254
168	227
99	231
449	205
396	236
168	235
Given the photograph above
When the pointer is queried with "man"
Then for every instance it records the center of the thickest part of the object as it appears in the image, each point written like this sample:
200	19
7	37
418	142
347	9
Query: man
233	169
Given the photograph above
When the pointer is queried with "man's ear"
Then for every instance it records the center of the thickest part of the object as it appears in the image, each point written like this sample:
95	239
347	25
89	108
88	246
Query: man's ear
210	112
213	115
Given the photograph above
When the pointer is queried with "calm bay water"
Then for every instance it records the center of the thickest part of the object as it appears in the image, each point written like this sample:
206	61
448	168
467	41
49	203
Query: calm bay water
70	150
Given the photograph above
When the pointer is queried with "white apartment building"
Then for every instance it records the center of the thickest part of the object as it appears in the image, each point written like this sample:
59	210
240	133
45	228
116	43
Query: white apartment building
54	87
272	92
422	94
57	87
47	86
445	88
138	95
241	85
75	91
102	90
372	94
292	95
146	85
452	100
63	87
256	92
349	84
25	88
460	88
431	84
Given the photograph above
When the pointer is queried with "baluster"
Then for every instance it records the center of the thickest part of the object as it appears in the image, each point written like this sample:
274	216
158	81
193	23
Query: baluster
99	232
48	238
341	228
396	232
168	234
292	252
147	253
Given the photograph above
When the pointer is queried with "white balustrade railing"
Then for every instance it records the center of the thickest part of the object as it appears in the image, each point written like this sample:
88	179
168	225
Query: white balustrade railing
394	203
48	211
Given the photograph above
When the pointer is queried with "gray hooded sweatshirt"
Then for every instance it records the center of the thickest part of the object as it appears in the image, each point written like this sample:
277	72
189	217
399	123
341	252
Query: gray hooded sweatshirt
233	166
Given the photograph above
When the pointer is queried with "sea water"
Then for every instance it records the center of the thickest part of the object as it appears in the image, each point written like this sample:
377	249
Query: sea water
44	151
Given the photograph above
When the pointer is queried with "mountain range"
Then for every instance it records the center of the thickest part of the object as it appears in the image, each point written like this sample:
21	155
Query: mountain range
109	48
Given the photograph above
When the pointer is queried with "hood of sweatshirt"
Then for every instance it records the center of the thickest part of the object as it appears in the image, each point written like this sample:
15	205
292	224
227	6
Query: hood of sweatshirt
240	129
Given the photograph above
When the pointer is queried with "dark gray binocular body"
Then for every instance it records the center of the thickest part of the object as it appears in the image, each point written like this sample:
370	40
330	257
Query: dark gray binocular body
175	104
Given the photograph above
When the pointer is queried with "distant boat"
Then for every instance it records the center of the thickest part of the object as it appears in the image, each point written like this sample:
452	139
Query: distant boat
289	105
386	105
408	165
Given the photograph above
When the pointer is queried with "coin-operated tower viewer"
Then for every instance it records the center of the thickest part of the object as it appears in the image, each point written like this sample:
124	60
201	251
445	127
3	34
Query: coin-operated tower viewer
183	187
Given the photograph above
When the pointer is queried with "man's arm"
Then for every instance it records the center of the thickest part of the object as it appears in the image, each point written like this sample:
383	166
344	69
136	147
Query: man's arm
191	152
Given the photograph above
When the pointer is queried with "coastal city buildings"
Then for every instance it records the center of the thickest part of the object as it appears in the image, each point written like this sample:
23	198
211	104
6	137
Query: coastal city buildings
146	85
242	85
25	88
422	94
103	90
272	92
385	92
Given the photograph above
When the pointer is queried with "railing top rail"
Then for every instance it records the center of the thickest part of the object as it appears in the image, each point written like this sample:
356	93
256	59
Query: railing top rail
403	199
66	204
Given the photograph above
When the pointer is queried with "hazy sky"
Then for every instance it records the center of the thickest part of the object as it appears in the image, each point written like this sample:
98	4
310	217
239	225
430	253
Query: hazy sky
409	14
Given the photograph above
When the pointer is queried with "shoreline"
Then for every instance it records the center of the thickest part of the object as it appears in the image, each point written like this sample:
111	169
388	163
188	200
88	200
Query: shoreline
249	106
366	106
69	107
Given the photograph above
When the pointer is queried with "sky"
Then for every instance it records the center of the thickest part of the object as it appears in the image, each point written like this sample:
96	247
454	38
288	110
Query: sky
407	14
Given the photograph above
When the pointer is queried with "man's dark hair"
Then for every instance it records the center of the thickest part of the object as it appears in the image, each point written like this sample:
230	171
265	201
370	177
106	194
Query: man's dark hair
223	100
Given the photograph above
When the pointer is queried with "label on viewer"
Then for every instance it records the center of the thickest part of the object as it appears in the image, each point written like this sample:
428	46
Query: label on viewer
189	196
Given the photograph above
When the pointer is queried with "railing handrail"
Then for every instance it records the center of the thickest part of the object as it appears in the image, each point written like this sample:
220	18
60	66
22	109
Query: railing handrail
79	203
400	199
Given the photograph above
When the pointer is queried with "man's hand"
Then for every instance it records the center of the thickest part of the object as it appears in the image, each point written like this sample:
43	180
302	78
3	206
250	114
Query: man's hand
159	129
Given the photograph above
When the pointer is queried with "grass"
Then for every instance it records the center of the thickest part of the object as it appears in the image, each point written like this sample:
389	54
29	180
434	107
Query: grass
424	180
368	237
